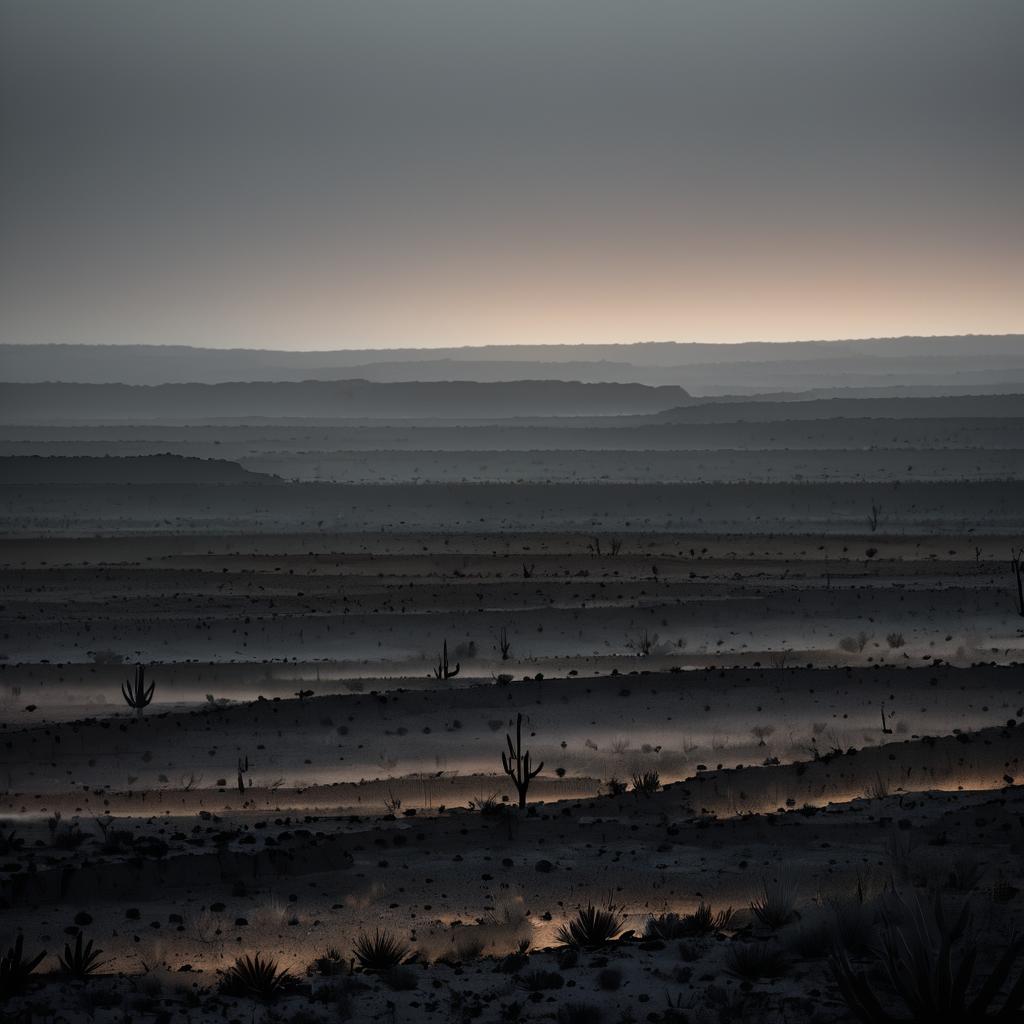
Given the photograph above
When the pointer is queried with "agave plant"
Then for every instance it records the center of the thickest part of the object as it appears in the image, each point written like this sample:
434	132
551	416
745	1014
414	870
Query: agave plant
135	692
15	969
255	977
918	961
592	928
380	951
82	961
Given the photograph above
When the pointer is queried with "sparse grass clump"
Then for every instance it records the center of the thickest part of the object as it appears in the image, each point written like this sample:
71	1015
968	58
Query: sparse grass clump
539	980
579	1013
592	928
703	921
752	960
380	951
775	905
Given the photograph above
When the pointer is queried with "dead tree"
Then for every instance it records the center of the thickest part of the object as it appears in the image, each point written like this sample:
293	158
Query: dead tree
135	692
1018	569
503	643
517	763
443	671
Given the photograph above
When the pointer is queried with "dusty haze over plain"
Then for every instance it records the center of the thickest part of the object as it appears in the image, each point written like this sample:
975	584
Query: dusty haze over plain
364	175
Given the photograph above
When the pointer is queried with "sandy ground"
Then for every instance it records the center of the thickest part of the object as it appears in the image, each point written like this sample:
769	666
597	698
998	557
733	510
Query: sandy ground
794	733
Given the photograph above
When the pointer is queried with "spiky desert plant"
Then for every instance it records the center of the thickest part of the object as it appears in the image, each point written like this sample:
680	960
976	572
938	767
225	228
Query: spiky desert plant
256	977
591	928
135	692
15	969
442	671
775	905
918	961
380	951
646	783
516	763
81	962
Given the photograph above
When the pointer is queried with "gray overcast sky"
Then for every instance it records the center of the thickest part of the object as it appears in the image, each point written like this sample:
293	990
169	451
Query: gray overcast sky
316	175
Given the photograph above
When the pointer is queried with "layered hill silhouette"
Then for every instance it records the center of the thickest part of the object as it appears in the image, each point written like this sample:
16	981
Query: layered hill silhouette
953	362
355	399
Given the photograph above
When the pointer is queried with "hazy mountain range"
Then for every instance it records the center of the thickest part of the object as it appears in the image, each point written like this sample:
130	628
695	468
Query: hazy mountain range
977	364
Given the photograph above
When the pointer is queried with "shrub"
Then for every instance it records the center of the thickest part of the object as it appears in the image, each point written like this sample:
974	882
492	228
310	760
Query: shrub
15	969
752	960
380	951
775	905
895	640
329	963
540	981
703	921
854	644
255	978
917	960
579	1013
592	928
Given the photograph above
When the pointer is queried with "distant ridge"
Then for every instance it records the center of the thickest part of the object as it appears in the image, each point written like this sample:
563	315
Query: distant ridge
348	399
958	361
18	470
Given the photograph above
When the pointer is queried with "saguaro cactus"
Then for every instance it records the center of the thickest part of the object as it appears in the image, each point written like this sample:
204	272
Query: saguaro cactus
503	643
517	762
443	671
135	692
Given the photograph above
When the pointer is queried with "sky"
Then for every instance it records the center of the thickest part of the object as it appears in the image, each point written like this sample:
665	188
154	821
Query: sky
346	175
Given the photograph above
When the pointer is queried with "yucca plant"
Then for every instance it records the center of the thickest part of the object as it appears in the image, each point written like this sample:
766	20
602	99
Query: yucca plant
917	959
380	951
81	962
592	928
255	977
15	969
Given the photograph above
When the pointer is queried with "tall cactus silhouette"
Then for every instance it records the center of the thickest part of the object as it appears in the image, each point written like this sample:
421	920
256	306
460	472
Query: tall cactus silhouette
517	762
443	671
135	692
